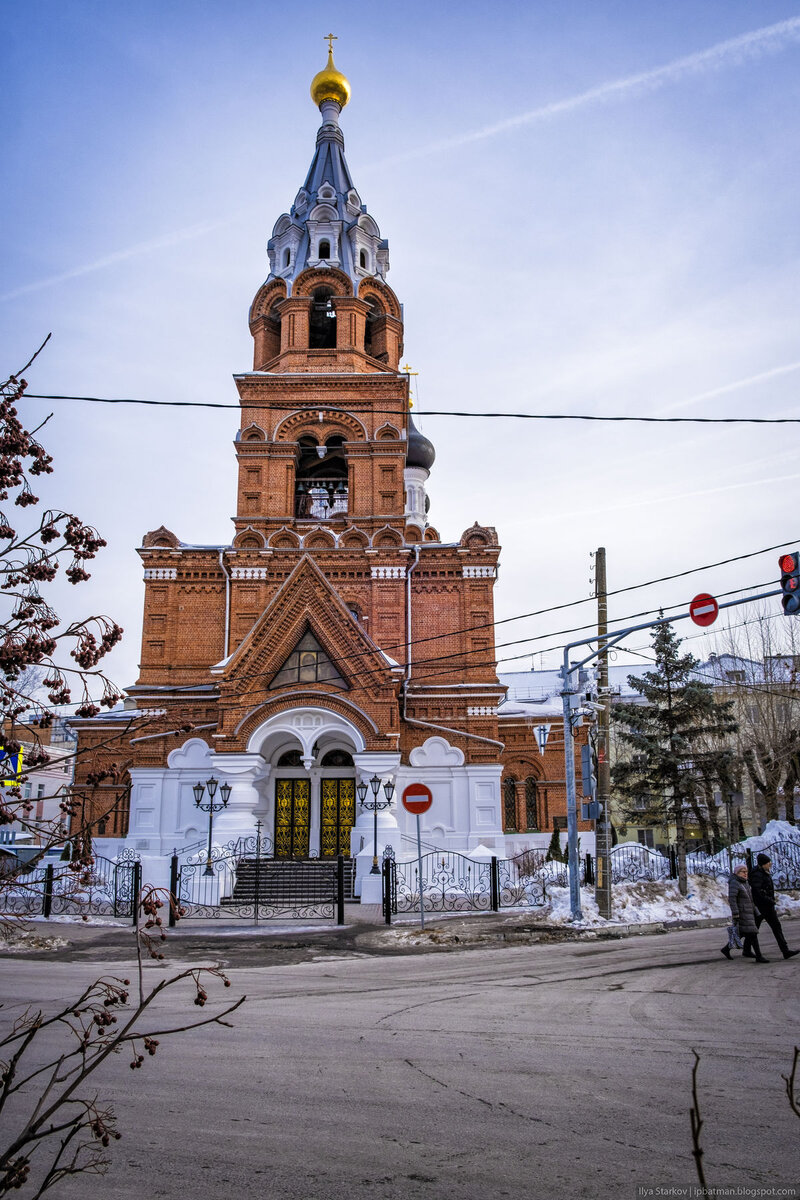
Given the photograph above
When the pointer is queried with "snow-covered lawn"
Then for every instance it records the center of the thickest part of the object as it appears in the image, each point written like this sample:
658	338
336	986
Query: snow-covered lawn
645	902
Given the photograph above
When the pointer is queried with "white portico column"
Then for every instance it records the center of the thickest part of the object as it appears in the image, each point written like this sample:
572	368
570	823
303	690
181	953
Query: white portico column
367	885
314	812
247	775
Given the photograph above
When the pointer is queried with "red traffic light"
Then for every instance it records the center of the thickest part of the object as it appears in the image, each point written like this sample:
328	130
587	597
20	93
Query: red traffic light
788	563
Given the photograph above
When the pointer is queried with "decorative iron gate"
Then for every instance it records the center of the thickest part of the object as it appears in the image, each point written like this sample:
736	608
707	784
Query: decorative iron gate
243	880
452	882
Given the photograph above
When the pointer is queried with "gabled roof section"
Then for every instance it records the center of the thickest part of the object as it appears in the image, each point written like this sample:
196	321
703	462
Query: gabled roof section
306	604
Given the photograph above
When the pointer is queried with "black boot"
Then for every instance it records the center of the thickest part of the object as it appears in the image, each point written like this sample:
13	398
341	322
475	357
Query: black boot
790	953
726	950
760	958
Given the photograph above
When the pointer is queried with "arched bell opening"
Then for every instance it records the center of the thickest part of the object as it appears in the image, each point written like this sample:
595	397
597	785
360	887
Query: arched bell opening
322	320
374	314
321	491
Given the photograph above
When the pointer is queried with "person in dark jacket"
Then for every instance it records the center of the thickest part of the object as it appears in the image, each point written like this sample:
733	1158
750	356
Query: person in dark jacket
763	890
740	899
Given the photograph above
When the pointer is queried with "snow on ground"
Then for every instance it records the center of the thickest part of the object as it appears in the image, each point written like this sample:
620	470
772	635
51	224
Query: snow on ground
647	902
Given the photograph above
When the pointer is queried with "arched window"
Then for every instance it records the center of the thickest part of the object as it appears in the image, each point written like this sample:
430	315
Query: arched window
324	248
291	758
321	478
510	805
287	257
375	311
322	324
337	758
362	259
531	814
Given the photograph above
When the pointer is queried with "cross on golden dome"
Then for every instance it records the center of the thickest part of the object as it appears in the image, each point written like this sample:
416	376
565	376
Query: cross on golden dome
330	84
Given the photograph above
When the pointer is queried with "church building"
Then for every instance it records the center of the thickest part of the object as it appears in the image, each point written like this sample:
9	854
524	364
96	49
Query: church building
337	639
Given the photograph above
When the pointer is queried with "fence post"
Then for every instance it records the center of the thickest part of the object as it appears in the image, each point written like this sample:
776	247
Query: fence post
173	889
673	863
749	859
47	898
137	885
340	889
589	868
495	884
387	891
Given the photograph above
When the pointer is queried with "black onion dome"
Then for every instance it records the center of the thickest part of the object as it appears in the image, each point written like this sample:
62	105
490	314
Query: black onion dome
420	451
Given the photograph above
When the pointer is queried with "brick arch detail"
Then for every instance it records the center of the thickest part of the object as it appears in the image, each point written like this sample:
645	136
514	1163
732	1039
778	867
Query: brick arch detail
387	433
249	538
285	538
319	539
268	295
383	294
353	537
387	536
298	423
520	768
306	699
337	281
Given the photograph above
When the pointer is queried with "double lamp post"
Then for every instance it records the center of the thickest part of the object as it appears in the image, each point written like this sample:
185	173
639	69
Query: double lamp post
374	806
211	806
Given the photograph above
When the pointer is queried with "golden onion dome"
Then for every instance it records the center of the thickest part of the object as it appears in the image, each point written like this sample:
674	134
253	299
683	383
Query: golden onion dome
330	84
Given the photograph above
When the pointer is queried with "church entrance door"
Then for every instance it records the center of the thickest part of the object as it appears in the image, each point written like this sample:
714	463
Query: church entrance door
337	816
292	804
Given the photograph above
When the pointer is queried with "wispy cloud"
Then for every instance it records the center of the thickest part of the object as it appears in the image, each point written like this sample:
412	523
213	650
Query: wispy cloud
737	385
770	39
110	260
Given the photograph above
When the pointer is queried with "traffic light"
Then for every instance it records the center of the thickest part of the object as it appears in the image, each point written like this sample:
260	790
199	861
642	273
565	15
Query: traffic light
790	582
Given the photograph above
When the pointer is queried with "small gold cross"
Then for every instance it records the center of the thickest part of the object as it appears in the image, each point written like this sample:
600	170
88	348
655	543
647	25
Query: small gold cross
330	38
407	370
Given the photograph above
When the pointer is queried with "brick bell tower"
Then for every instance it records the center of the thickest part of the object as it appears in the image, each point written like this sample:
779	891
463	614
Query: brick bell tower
337	638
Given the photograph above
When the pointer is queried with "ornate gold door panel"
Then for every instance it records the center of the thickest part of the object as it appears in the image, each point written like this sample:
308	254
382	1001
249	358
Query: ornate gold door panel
337	816
292	798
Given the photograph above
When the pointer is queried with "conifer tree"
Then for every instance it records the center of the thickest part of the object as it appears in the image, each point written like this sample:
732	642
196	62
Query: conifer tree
554	849
673	736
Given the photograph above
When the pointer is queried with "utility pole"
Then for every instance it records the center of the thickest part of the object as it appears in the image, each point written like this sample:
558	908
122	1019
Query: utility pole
570	675
602	887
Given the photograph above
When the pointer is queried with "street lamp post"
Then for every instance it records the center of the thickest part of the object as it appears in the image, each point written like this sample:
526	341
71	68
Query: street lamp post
373	806
211	806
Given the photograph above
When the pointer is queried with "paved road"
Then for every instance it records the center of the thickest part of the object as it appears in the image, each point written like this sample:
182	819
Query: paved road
539	1071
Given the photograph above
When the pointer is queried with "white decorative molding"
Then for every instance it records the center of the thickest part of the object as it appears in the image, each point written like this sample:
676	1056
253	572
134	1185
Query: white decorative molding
388	572
249	572
477	572
161	573
482	710
436	752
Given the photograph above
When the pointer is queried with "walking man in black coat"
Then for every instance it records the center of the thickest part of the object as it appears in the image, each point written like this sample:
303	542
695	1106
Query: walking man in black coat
763	890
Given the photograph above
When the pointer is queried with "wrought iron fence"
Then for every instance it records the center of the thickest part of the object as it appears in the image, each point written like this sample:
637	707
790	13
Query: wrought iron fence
242	880
107	888
452	882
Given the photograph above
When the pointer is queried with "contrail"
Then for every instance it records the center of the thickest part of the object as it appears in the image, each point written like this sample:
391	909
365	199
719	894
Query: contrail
730	387
770	39
161	243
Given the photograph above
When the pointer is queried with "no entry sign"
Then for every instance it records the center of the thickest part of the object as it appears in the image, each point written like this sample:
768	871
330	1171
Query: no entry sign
417	798
703	609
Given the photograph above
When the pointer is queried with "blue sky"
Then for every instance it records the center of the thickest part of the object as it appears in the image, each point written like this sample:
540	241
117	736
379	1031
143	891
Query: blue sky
591	207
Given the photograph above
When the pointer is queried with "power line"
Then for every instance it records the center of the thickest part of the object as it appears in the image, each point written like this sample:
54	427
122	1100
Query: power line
440	412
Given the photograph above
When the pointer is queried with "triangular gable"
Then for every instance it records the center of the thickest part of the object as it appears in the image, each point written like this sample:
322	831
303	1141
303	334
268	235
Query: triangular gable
308	663
306	602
